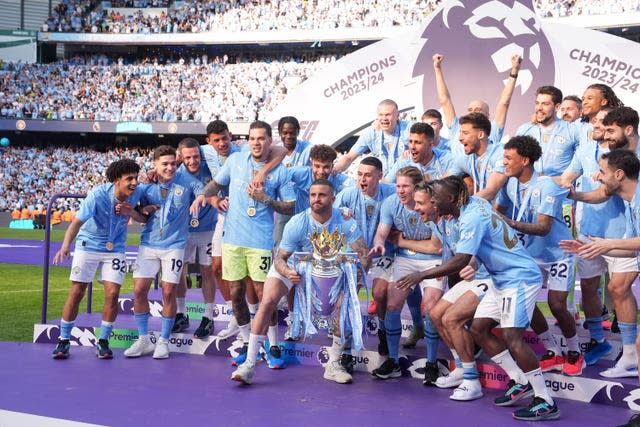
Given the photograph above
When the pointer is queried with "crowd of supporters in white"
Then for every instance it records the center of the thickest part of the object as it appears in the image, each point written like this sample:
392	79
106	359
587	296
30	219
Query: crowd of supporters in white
261	15
197	89
30	176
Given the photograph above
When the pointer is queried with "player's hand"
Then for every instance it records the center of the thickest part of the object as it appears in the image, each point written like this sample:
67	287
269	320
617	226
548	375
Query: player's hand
293	276
197	203
468	273
256	192
409	280
259	178
61	255
151	177
376	250
437	60
124	209
572	191
149	209
571	246
595	248
516	60
223	205
346	213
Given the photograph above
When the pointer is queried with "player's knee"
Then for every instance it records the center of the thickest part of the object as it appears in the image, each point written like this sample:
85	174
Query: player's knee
111	295
379	293
617	290
77	293
437	314
557	306
478	332
449	321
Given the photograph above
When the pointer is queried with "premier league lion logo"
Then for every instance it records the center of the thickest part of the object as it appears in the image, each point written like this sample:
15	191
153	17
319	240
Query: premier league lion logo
323	355
478	39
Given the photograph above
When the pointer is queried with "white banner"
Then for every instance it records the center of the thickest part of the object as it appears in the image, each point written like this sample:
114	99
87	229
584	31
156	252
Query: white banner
477	39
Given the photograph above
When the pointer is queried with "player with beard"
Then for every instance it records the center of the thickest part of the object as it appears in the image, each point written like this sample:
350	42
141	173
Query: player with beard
297	154
584	169
199	241
416	249
571	108
283	275
476	106
619	177
301	177
483	159
509	303
162	243
247	239
557	138
101	228
363	202
386	138
532	204
620	129
433	164
214	154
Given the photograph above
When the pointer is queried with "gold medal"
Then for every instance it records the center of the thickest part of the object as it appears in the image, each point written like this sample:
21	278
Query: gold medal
546	137
109	246
251	211
195	222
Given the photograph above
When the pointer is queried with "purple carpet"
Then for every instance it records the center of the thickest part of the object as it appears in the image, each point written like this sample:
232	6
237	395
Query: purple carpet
193	391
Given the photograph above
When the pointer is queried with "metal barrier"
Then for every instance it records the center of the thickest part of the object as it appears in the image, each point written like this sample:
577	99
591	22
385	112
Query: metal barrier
47	252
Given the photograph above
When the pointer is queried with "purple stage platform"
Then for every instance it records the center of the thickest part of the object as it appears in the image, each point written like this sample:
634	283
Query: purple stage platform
196	391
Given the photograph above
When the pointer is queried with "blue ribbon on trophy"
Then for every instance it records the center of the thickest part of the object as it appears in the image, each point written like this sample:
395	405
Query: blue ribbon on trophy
328	275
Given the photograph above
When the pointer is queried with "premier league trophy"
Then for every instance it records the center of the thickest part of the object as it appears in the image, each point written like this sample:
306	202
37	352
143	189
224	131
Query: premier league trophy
329	277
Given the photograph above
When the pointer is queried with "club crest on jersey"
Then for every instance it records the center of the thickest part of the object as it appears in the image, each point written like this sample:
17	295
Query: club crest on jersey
536	192
179	190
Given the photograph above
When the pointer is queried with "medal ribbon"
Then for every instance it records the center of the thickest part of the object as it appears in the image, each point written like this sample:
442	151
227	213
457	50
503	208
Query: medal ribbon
368	225
166	205
524	204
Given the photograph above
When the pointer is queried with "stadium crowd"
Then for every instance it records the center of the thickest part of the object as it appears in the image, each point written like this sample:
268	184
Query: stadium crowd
191	89
30	176
243	15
